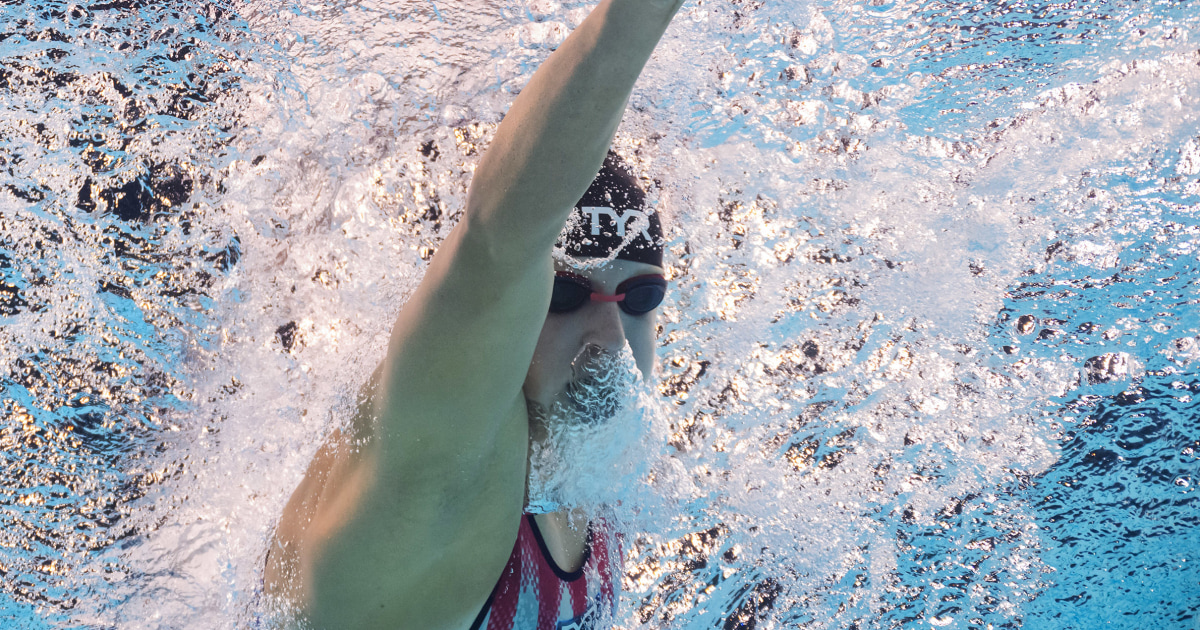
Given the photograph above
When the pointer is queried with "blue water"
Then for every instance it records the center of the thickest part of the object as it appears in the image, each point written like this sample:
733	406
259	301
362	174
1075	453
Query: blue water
928	358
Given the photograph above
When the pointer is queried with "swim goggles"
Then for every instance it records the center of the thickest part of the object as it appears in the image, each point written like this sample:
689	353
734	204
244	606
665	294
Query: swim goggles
637	295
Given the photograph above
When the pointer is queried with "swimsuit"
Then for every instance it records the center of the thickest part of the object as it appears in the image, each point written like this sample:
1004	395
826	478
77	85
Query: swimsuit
534	594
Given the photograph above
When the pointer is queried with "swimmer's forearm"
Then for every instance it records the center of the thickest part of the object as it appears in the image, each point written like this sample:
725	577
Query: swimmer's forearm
557	133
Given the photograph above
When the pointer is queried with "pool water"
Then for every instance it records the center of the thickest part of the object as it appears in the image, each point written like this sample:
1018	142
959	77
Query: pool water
928	358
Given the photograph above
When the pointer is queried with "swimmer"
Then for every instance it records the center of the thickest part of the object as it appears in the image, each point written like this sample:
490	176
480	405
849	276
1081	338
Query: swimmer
416	516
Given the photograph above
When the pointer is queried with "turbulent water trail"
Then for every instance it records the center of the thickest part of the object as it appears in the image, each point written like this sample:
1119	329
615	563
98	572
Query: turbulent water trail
931	326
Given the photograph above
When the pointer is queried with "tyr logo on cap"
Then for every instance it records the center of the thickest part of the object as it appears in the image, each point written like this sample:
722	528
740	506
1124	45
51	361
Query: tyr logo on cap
599	231
620	219
613	205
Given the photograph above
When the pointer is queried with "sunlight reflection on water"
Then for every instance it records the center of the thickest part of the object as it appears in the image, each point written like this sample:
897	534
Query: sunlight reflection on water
909	242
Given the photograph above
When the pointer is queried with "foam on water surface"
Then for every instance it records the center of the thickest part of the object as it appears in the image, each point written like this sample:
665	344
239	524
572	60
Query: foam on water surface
927	358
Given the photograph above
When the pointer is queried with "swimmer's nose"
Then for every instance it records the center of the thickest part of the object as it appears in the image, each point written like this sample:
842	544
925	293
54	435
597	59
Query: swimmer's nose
604	327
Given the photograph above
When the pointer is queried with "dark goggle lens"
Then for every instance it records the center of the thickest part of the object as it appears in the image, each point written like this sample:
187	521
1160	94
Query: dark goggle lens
569	294
642	295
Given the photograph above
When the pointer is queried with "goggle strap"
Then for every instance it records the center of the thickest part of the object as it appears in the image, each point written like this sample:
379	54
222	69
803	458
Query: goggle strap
596	297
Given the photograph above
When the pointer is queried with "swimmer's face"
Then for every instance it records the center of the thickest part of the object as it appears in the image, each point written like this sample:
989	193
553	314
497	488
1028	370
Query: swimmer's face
600	324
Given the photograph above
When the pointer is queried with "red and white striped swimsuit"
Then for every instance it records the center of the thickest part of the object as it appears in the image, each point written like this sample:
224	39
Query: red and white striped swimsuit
534	594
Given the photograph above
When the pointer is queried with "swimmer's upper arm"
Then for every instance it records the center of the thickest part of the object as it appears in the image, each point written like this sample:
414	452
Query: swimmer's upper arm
414	518
359	549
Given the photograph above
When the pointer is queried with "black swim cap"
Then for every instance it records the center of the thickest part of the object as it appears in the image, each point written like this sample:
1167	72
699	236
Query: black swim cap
612	215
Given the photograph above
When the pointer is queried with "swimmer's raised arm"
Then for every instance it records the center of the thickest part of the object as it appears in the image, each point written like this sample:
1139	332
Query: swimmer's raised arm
407	520
559	129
